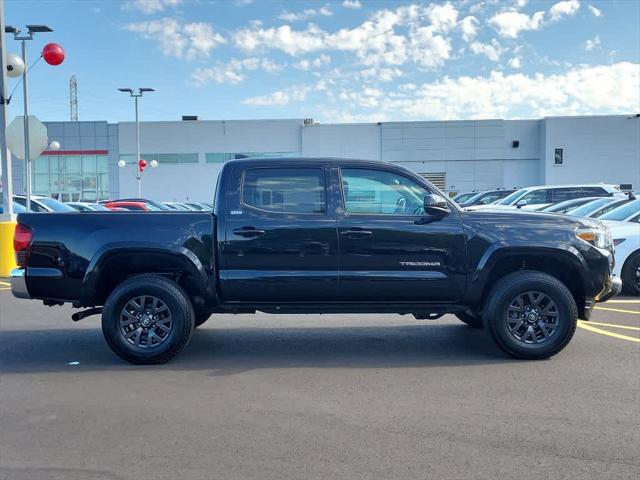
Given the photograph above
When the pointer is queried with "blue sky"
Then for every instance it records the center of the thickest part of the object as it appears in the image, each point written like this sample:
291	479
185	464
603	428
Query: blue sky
335	61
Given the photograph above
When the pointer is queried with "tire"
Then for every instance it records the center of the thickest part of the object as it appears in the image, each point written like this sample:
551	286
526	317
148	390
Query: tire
147	319
200	318
631	274
514	318
474	321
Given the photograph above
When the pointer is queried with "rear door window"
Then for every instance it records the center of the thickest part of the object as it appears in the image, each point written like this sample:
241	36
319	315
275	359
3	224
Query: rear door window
285	190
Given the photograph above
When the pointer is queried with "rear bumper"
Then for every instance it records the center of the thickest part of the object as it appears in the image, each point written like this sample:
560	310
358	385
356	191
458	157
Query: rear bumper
18	280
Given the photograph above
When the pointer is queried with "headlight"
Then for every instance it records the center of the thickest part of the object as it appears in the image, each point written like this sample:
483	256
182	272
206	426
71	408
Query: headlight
596	237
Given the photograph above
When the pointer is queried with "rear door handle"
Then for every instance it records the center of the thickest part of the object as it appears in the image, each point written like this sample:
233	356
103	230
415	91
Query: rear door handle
249	232
356	233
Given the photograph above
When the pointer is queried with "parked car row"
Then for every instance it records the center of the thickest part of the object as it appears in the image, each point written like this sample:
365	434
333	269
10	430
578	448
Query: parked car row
42	204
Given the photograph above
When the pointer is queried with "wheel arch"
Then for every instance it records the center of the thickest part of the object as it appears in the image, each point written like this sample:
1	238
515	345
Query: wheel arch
565	264
116	262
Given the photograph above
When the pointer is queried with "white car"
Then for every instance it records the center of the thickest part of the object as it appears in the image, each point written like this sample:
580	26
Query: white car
533	198
626	238
629	212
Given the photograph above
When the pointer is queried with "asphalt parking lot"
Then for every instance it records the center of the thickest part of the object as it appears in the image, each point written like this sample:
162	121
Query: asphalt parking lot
317	397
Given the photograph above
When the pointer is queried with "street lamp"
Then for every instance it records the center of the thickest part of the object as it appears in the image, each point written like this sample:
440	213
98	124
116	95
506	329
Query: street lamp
135	96
31	29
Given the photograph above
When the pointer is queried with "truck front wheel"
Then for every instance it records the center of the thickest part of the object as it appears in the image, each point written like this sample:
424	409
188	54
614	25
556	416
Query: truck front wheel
531	315
474	321
147	319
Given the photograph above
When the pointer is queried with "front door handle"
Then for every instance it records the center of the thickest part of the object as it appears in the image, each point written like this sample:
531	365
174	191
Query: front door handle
356	233
249	232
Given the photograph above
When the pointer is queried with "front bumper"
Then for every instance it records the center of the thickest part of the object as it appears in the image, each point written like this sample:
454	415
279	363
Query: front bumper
614	289
18	280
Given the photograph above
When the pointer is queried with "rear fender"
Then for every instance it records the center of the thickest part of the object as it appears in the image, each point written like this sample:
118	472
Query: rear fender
117	261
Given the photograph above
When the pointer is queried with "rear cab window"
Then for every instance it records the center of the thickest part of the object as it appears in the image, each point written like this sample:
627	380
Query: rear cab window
292	190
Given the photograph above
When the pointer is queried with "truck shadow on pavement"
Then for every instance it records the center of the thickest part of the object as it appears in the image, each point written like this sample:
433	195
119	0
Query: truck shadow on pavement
227	351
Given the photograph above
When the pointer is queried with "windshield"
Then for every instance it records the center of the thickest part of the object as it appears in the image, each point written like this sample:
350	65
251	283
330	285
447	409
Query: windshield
511	199
587	208
55	205
623	212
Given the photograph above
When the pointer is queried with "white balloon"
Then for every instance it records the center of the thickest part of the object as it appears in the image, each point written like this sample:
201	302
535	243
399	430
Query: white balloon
121	163
154	163
54	146
15	65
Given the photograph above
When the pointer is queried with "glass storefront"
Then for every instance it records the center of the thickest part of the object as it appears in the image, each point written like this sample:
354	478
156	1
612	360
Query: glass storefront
72	178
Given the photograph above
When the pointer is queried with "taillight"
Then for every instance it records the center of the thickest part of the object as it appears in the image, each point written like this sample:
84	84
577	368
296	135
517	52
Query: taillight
22	237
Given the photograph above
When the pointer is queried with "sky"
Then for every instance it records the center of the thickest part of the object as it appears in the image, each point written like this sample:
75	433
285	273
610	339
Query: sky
334	61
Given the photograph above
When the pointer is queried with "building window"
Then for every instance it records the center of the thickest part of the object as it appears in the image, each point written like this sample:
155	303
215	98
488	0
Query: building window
72	177
162	157
221	157
558	157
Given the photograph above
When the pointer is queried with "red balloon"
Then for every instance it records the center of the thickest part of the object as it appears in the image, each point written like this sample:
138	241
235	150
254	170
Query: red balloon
142	164
53	54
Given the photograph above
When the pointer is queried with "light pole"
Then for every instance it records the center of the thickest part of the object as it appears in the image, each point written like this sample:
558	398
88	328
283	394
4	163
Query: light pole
31	29
135	96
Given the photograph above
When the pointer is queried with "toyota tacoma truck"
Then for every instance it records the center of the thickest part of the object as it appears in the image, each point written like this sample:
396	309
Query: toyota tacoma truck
299	236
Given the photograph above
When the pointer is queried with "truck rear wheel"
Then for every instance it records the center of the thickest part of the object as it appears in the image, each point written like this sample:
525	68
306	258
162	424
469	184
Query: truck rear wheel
531	315
147	319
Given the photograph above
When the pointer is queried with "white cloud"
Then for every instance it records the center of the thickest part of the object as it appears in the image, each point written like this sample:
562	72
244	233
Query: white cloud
469	27
188	40
580	91
380	74
592	44
318	62
510	23
295	93
443	17
284	38
233	71
389	37
355	4
150	6
514	62
564	8
491	50
595	11
305	14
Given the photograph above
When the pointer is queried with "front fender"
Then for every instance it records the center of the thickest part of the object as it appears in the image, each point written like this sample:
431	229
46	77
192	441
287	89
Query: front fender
561	254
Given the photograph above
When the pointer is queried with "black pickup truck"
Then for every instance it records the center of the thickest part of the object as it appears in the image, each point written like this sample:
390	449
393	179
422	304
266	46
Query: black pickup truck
317	236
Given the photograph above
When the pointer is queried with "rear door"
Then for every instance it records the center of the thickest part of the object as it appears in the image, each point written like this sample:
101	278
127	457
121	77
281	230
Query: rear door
390	250
281	243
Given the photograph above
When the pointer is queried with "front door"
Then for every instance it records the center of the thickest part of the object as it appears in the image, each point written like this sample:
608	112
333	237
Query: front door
390	250
281	243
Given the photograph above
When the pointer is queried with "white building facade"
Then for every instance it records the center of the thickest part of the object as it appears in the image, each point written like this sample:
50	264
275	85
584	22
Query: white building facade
456	155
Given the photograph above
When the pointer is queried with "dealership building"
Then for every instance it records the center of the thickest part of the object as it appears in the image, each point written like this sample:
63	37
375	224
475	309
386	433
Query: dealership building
454	155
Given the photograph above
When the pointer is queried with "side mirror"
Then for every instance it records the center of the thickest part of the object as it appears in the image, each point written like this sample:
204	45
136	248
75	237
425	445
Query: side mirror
522	203
435	205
